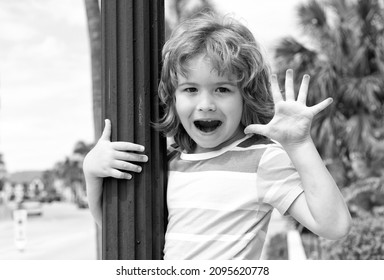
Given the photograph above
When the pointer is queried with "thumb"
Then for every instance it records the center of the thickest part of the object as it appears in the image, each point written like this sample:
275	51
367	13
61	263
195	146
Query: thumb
106	135
256	129
321	106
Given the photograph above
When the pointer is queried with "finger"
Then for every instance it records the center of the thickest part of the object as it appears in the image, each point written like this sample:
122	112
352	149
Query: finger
321	106
127	166
130	156
289	90
303	92
106	135
276	94
127	146
120	175
256	129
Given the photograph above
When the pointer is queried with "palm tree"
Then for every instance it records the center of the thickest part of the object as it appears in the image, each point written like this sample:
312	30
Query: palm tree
3	173
183	9
343	51
94	30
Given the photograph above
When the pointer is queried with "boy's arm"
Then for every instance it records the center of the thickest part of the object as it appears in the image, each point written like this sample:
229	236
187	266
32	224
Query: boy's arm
94	195
109	159
321	207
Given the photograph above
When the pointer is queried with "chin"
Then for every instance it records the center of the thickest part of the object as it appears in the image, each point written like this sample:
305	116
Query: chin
207	146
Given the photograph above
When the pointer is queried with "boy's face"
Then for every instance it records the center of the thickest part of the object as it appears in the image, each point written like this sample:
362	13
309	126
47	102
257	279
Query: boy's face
209	106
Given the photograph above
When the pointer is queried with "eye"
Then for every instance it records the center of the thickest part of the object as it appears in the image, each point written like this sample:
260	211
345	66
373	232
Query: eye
190	90
223	90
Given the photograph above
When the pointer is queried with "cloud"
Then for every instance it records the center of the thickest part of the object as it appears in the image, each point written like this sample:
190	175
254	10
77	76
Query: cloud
45	82
14	32
45	73
49	48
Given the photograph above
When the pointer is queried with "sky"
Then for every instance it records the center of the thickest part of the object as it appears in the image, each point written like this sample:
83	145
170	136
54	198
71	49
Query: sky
45	72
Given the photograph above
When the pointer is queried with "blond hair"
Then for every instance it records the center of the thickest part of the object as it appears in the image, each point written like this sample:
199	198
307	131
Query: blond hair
232	50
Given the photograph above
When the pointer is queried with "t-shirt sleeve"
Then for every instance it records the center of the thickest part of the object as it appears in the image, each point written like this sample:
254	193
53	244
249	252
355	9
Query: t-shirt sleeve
278	181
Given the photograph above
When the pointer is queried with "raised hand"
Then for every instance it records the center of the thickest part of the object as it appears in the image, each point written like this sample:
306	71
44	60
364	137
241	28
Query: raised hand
292	120
113	159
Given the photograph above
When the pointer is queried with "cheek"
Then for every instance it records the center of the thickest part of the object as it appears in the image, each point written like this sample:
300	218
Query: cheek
181	106
178	105
236	109
237	116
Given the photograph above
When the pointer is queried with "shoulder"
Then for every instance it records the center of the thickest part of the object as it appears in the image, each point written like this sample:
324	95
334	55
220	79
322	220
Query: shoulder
255	141
254	145
248	153
275	164
275	155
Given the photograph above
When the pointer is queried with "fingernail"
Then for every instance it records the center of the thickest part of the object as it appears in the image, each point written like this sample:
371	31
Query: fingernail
145	158
139	169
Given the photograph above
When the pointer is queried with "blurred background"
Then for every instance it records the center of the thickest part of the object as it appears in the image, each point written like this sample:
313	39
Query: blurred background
50	96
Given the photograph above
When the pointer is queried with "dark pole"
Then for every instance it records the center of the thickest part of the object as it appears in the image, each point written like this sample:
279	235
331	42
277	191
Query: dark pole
133	210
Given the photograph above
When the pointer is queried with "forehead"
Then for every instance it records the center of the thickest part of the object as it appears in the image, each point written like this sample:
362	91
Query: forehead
202	66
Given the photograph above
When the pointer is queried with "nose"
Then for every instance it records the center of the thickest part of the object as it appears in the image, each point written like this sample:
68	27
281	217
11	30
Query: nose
206	103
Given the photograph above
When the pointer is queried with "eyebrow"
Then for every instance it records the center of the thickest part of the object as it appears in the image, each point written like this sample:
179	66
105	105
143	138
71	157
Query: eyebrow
227	83
216	84
187	83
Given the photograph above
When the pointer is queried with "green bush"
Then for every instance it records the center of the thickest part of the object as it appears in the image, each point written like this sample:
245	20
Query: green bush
311	244
364	242
365	196
277	247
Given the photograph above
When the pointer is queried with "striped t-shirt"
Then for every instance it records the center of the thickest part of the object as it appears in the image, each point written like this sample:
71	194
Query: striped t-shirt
220	202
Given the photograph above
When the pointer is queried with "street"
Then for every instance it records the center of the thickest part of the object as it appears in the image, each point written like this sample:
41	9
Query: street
62	232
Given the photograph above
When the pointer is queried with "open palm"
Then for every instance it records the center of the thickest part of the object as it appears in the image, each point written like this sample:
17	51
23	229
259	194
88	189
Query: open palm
292	120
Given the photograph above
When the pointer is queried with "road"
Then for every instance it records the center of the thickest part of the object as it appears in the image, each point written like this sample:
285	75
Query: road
63	232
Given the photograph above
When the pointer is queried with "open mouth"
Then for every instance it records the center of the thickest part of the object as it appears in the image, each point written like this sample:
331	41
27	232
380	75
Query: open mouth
207	125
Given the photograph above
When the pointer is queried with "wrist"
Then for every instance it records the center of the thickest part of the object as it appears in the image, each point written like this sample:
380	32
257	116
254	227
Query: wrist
92	179
304	155
298	145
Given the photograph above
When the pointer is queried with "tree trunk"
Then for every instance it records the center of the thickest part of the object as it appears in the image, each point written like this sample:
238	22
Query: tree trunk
94	29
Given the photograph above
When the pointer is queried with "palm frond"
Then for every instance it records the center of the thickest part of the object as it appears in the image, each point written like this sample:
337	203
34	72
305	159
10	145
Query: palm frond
292	54
325	82
354	128
379	58
366	9
346	62
313	15
323	132
288	47
361	94
361	60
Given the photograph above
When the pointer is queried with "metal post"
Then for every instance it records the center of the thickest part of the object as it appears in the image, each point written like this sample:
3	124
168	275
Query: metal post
133	210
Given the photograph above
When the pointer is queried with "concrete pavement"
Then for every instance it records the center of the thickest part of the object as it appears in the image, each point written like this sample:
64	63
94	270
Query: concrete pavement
63	232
